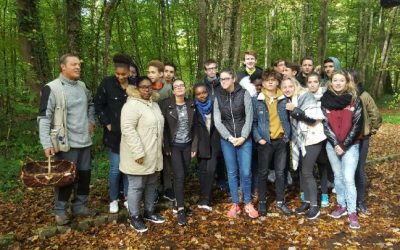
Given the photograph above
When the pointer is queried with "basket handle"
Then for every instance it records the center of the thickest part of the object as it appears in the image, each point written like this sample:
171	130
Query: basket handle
49	164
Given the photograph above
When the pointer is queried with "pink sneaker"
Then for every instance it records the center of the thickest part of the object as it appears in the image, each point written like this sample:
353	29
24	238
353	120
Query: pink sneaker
251	211
233	211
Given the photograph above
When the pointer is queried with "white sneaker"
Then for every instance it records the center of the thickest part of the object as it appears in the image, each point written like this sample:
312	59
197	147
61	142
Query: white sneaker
126	205
114	207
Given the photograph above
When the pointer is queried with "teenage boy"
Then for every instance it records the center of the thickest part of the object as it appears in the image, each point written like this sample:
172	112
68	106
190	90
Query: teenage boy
331	64
212	82
250	61
271	132
169	73
291	70
307	66
211	79
155	74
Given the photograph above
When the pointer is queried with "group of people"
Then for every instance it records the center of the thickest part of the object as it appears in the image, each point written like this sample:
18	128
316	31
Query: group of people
252	123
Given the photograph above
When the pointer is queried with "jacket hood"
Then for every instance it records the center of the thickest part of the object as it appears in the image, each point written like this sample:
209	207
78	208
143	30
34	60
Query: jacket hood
279	95
215	81
133	92
336	62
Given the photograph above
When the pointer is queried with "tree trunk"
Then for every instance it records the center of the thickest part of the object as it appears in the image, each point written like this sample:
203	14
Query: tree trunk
74	26
163	23
237	33
131	13
227	37
378	88
107	21
269	37
214	31
323	31
33	47
202	36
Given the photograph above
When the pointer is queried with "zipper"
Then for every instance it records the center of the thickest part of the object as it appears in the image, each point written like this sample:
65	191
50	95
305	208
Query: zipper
233	119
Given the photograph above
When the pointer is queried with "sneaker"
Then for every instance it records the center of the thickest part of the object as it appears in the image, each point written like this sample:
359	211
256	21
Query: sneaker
338	212
137	223
153	217
312	213
251	211
233	211
187	210
62	219
334	190
169	194
362	208
181	217
283	207
205	205
222	185
303	208
353	219
126	205
262	208
302	196
114	207
324	200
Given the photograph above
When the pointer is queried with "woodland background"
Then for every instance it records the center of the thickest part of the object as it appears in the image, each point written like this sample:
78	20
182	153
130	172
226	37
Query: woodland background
34	33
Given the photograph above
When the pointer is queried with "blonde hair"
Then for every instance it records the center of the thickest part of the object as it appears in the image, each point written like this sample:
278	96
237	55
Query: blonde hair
349	88
298	89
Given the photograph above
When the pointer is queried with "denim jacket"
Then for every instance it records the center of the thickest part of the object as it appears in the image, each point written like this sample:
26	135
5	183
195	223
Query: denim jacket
261	118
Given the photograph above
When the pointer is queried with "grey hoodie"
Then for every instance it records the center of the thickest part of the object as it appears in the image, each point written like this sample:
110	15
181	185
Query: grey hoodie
80	111
336	64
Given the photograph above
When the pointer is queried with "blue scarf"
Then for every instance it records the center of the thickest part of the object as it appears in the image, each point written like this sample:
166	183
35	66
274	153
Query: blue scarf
204	108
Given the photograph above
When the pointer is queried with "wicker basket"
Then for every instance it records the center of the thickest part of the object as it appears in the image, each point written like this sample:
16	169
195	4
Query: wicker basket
48	173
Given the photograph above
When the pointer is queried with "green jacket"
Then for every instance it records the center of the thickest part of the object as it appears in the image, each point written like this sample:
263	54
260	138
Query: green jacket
372	119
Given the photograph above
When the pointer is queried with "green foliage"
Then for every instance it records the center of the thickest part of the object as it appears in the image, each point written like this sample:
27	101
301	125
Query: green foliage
391	118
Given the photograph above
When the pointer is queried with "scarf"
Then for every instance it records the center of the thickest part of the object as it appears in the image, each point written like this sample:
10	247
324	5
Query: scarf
204	108
307	103
332	101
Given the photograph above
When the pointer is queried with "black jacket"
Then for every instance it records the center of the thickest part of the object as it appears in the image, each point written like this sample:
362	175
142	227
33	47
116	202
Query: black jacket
168	109
212	86
108	102
208	142
244	73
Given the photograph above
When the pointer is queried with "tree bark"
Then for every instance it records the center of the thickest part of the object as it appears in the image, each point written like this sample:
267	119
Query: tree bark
163	24
237	33
202	36
74	26
323	31
109	6
378	88
227	37
33	47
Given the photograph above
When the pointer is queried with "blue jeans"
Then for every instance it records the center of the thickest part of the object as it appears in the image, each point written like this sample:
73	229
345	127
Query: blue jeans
242	155
344	168
114	176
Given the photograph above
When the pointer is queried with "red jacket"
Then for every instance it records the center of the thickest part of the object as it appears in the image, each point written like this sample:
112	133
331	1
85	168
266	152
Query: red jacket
343	126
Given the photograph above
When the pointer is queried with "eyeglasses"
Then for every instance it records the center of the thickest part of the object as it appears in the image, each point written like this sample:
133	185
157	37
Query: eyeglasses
212	68
148	87
179	86
225	79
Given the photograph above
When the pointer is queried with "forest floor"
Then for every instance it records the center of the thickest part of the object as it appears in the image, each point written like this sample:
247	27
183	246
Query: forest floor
380	229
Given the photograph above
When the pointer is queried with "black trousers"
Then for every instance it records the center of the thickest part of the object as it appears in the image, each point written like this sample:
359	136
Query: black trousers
276	151
309	184
180	158
324	169
360	172
207	169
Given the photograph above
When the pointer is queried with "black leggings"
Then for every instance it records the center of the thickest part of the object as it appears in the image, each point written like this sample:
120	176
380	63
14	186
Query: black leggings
180	158
206	175
309	184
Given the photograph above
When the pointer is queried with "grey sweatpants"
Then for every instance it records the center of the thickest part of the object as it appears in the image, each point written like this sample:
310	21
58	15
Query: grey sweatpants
82	160
139	184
